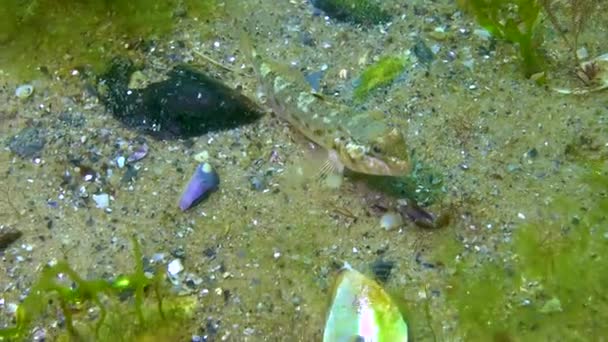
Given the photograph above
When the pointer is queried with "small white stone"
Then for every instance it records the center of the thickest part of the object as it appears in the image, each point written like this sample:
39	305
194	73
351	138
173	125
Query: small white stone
11	308
102	201
175	267
120	162
521	216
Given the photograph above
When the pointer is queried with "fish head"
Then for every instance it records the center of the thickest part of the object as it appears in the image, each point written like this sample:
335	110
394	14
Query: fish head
384	156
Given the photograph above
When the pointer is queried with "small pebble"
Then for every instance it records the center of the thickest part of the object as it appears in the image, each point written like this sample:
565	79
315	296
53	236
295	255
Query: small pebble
202	156
102	201
158	257
120	162
175	267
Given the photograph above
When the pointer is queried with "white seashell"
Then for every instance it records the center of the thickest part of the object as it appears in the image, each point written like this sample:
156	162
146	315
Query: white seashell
362	311
391	221
24	91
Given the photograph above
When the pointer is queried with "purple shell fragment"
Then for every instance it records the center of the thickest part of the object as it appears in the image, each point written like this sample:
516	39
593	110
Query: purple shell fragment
204	181
138	154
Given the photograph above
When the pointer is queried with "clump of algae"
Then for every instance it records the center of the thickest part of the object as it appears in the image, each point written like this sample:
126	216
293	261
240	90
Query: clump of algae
364	12
550	283
59	34
515	21
379	74
118	320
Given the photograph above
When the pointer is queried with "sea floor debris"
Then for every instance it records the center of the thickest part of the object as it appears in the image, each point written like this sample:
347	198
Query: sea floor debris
204	181
362	311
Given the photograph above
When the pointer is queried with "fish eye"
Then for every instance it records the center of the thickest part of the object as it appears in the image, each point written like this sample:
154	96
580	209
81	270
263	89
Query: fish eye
376	149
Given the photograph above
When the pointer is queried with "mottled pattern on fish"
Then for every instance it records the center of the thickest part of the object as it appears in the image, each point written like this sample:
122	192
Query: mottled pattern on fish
291	98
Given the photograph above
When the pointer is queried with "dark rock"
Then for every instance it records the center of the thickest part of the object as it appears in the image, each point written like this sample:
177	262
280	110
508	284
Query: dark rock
314	79
382	270
187	104
422	52
307	38
178	252
8	235
28	143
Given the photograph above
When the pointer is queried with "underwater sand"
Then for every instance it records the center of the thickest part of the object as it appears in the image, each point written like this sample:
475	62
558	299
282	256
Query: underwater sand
267	257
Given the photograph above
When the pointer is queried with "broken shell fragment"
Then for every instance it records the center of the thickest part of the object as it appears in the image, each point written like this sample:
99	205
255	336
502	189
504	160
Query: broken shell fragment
24	91
362	311
204	181
593	73
139	153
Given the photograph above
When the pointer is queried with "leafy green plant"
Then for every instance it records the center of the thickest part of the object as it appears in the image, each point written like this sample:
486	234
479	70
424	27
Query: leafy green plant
514	21
115	321
365	12
379	74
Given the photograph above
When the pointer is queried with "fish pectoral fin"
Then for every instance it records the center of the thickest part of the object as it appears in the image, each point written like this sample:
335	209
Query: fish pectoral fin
331	168
326	169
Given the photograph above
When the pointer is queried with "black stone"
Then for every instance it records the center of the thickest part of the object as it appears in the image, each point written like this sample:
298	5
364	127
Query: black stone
423	52
187	104
8	235
382	270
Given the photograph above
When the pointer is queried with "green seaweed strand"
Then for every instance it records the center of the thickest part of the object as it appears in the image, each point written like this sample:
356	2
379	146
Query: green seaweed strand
81	293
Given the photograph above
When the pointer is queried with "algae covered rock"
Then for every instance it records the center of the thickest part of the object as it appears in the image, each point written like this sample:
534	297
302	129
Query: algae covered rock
363	12
187	103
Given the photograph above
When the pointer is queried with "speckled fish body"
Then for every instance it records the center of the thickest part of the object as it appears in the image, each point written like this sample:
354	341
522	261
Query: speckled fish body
204	181
362	311
290	97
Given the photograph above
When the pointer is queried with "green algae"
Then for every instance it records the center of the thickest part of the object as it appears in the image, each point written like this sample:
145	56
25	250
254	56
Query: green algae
379	74
363	12
116	321
424	184
549	283
514	21
76	33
